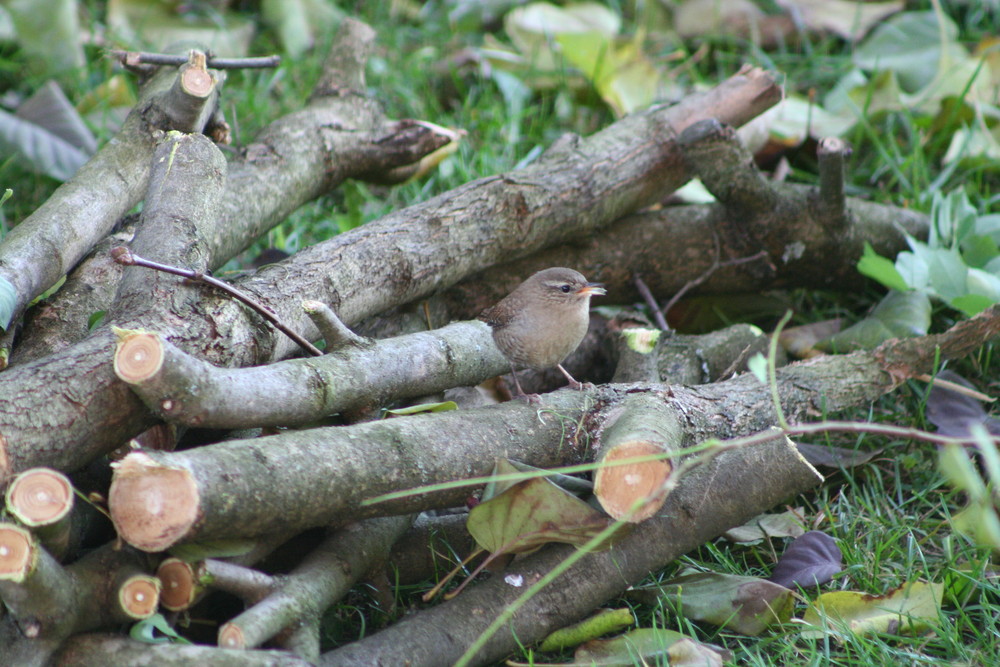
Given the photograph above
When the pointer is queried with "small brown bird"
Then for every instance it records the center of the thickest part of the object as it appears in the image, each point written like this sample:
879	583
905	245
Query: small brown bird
542	321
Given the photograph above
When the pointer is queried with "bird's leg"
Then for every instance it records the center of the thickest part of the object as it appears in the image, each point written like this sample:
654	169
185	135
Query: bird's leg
579	386
531	398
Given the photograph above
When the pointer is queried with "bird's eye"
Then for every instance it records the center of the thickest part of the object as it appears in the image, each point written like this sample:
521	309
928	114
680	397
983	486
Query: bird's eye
565	288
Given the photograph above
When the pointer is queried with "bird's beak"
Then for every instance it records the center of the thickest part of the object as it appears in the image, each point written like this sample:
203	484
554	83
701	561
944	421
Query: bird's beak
592	288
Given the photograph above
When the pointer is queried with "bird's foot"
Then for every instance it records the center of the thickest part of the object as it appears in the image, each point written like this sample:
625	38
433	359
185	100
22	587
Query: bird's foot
579	386
532	399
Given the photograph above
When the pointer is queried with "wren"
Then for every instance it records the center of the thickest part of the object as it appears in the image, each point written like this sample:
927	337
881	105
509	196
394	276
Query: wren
542	321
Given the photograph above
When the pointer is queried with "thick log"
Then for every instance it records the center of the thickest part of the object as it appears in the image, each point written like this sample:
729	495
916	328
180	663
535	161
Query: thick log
322	475
580	185
187	176
705	504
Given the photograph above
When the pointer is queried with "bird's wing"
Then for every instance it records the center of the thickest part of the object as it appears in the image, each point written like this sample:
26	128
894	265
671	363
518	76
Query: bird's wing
495	316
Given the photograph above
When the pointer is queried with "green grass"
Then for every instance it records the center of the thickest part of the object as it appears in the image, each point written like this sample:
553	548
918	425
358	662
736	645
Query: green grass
890	517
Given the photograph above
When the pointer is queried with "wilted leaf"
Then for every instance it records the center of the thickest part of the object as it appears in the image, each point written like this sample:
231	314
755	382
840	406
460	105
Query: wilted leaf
622	75
908	608
39	150
796	119
49	109
910	45
443	406
532	513
810	560
953	413
784	524
644	644
748	605
898	315
495	487
534	27
299	22
850	20
697	18
834	457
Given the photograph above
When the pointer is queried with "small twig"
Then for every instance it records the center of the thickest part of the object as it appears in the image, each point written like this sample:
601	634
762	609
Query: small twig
716	265
124	256
137	58
336	334
832	153
650	300
957	388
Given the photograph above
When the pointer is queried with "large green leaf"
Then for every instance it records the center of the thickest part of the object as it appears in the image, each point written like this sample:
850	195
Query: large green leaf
898	315
881	269
146	631
910	45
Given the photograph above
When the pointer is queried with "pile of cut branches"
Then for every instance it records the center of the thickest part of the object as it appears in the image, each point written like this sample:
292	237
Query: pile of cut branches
192	394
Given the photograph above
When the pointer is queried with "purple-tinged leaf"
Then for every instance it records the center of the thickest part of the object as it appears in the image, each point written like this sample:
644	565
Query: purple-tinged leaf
953	413
810	560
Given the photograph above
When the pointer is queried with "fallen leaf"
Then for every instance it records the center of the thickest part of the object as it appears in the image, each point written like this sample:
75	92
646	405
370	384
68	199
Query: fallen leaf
748	605
812	559
907	609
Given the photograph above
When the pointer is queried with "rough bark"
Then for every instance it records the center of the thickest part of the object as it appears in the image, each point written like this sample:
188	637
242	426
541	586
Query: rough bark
53	602
676	245
187	177
96	650
708	501
325	576
318	476
47	244
340	134
578	186
189	391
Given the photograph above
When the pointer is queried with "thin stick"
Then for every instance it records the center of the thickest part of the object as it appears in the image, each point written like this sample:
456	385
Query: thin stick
716	265
136	58
647	295
957	388
124	256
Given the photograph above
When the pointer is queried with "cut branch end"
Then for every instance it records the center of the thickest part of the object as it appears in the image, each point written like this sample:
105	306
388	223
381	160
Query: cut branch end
152	506
139	596
138	357
40	497
17	552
